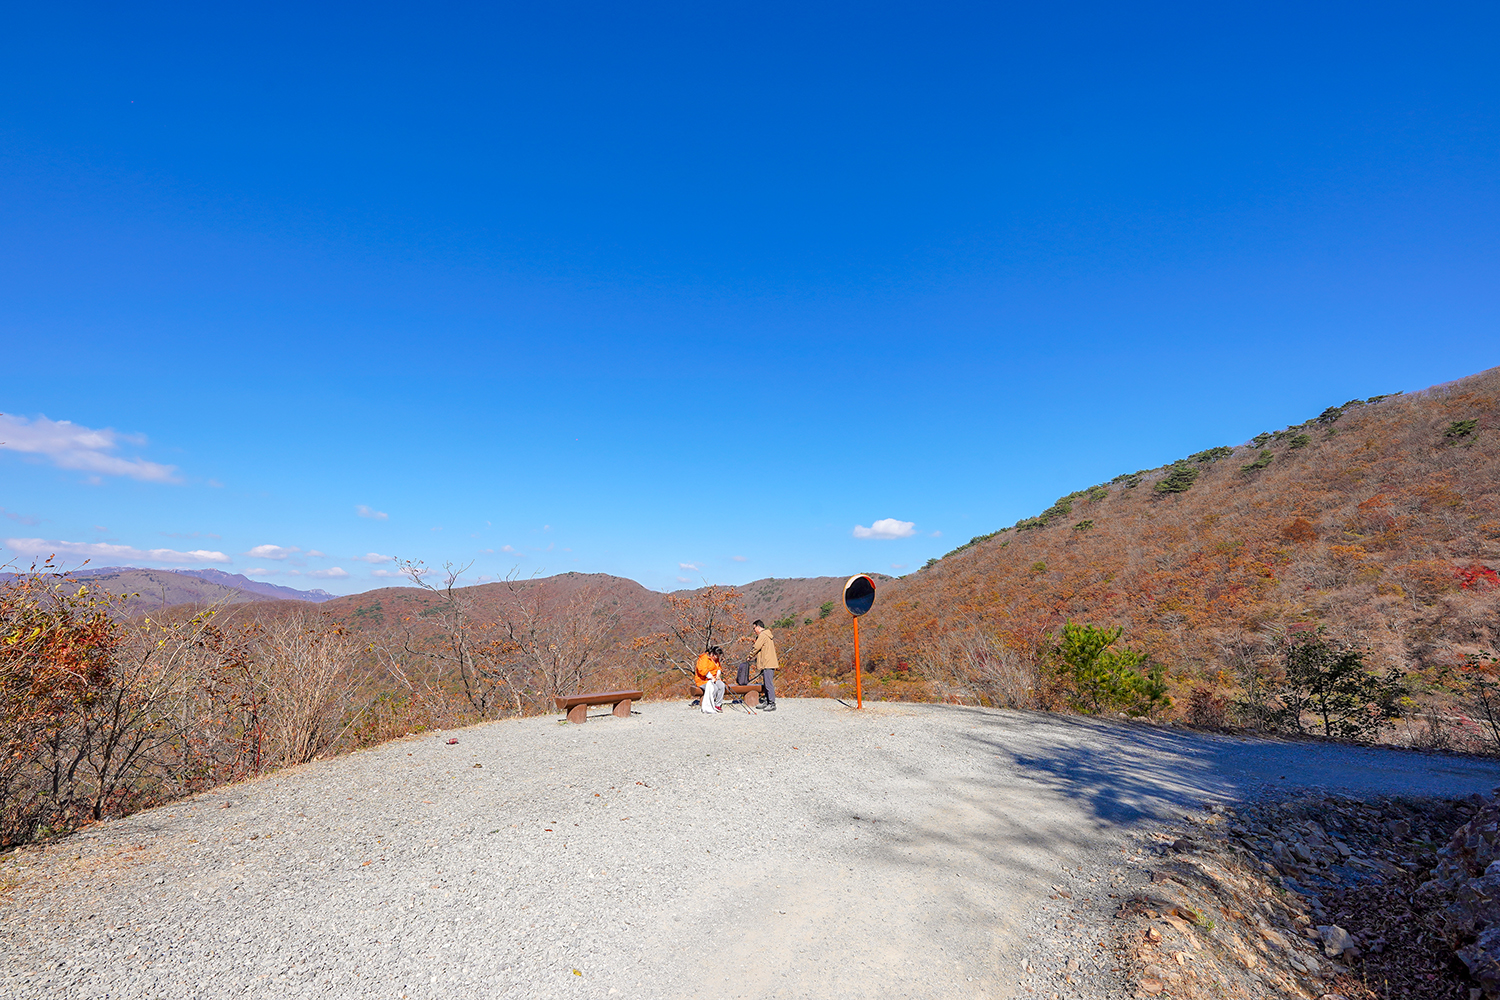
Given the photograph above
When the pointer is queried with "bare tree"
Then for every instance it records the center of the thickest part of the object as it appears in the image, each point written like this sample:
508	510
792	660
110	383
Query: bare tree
468	645
713	616
558	647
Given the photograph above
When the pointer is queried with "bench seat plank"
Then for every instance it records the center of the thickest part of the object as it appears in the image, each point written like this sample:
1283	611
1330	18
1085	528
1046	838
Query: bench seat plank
577	705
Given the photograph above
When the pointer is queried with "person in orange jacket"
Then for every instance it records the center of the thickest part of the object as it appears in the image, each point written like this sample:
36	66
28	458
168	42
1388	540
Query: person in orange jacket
708	674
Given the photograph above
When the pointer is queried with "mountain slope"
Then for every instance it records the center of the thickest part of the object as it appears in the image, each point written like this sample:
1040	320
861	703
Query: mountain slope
1379	520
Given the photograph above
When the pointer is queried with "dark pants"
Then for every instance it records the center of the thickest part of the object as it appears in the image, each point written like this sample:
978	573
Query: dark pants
768	678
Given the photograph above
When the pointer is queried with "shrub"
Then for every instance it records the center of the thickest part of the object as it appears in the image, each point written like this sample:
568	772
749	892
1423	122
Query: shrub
1103	679
1300	441
1206	709
1211	455
1038	567
1329	682
1130	480
1083	525
1460	429
825	609
1260	439
1179	480
788	620
931	562
1300	531
1261	461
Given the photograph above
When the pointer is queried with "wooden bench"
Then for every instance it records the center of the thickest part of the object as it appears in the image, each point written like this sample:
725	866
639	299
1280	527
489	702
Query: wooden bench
744	691
577	705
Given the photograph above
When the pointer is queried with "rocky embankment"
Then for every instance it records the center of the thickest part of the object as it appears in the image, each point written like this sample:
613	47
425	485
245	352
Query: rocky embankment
1321	896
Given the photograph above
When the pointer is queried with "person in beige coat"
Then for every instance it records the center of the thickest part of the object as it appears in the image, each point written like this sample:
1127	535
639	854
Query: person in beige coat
765	662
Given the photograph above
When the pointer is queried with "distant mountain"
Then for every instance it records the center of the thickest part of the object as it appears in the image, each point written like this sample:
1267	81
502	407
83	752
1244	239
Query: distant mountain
192	586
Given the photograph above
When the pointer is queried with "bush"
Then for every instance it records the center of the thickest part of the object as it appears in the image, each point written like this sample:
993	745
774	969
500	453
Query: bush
1102	679
1460	429
1206	709
1300	441
1330	683
1211	455
825	609
1083	525
1179	480
1261	461
788	620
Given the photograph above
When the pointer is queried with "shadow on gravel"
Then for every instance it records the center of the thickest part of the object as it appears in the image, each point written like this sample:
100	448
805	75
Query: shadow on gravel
1127	772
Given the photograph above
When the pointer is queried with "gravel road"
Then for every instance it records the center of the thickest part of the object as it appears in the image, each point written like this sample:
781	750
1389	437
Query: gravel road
902	851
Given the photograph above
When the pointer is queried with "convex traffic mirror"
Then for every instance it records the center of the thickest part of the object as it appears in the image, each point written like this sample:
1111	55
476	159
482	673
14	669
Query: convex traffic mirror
859	594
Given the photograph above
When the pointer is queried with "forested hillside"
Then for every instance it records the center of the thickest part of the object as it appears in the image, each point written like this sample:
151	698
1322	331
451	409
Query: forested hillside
1378	520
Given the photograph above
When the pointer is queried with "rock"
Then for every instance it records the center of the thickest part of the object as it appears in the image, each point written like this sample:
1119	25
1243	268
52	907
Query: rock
1152	934
1301	853
1335	940
1182	845
1152	987
1072	964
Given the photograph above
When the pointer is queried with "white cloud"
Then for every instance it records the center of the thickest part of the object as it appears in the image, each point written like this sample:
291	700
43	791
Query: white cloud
271	552
102	550
315	554
683	579
372	513
898	565
693	566
886	527
374	557
506	548
396	574
328	574
74	446
936	534
739	558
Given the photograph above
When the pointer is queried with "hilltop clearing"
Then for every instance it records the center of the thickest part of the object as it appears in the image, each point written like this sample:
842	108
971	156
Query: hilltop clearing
903	851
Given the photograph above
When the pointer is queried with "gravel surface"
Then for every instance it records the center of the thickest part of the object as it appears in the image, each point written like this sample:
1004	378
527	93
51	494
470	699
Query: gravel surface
902	851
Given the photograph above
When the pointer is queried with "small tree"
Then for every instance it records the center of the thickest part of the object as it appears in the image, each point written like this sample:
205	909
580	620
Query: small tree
1103	679
710	617
1329	682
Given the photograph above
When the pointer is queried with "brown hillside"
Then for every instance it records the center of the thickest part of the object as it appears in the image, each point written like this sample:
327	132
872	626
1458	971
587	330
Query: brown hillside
798	598
1379	520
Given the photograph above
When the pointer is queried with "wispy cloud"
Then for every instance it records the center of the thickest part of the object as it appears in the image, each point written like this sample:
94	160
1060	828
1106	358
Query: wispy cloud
19	518
692	566
740	558
335	573
396	574
374	557
936	534
73	446
102	550
372	513
261	571
272	552
886	527
683	579
315	554
898	565
506	548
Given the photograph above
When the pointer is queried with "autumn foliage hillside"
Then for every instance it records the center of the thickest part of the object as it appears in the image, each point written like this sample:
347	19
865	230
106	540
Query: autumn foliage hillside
1377	520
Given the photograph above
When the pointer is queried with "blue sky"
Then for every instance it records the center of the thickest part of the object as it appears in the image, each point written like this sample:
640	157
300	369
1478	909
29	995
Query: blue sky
681	293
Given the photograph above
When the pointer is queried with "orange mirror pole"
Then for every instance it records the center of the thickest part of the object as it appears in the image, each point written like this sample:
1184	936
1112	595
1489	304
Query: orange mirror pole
859	694
859	597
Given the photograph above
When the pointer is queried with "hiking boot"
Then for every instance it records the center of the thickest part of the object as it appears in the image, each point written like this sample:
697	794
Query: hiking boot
768	707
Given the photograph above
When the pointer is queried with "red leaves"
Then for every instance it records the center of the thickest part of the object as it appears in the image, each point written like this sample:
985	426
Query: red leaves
1476	577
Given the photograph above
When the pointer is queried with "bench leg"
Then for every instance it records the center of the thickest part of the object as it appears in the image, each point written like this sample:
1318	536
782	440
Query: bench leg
622	709
578	713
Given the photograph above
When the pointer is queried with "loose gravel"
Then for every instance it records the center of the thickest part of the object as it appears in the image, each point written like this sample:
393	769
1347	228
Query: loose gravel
903	851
